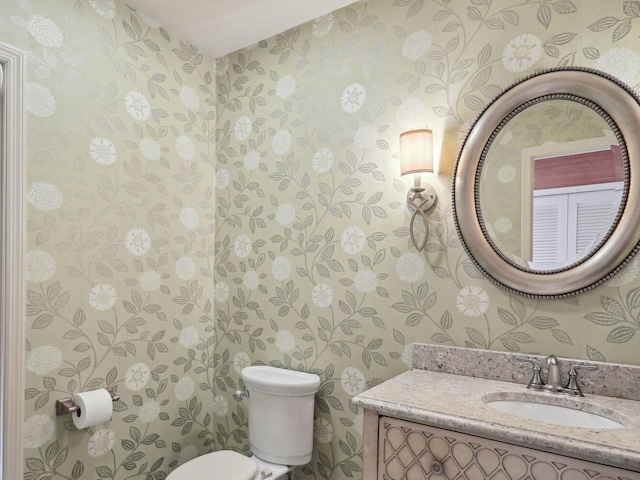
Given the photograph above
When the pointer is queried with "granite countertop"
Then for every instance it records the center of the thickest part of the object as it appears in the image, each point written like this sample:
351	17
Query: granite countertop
454	402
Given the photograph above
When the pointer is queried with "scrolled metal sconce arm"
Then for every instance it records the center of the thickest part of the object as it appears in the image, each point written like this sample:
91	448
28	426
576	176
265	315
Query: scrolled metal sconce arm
420	200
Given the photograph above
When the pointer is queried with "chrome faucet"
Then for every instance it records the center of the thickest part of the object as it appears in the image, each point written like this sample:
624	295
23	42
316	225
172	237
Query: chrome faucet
554	377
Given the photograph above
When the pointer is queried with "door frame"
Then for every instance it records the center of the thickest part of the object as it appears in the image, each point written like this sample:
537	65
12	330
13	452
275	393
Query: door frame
12	249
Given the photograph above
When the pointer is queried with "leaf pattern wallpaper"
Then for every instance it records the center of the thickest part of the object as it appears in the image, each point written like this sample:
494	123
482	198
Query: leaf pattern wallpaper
190	216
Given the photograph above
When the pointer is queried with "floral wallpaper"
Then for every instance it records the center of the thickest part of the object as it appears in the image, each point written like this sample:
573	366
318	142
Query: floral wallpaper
119	264
314	269
187	218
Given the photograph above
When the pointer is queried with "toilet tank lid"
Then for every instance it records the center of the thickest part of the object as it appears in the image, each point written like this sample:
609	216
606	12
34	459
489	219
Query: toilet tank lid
222	465
279	381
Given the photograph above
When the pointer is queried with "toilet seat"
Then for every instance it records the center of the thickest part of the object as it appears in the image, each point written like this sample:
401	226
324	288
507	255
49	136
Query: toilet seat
222	465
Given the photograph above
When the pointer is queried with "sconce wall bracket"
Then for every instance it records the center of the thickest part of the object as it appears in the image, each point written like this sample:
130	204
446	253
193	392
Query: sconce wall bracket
421	198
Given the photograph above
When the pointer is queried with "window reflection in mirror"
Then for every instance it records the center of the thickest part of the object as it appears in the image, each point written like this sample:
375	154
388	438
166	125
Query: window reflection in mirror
551	184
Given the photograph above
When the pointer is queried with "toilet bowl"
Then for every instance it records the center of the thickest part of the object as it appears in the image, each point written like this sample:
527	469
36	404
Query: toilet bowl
229	465
280	404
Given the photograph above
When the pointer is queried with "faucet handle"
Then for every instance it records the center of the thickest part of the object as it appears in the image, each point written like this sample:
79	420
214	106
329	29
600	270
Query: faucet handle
582	366
535	380
573	386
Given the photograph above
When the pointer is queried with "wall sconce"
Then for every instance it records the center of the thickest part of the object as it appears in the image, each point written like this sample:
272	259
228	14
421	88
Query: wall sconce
416	156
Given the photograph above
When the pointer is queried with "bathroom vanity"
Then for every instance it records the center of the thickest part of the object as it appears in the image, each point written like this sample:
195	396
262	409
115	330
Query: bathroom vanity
437	421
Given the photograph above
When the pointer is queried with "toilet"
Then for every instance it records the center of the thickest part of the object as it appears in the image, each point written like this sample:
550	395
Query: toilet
281	404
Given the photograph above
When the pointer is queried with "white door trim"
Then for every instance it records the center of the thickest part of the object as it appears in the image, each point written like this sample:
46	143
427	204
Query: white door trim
12	287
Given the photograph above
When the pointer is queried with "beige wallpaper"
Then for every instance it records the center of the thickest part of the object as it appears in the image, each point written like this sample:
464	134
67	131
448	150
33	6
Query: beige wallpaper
311	225
301	201
119	264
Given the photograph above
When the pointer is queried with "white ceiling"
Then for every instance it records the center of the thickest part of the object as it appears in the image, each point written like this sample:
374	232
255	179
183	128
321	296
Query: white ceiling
224	26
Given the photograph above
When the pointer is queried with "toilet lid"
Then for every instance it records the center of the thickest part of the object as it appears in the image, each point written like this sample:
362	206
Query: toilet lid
222	465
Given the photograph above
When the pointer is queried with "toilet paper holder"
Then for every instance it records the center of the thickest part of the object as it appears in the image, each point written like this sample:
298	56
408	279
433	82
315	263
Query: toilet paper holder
66	405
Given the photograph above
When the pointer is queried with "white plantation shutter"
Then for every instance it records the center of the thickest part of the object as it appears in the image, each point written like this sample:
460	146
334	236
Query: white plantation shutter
569	222
549	229
593	215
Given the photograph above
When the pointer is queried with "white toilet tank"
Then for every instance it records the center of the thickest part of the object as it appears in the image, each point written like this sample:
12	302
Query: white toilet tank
281	404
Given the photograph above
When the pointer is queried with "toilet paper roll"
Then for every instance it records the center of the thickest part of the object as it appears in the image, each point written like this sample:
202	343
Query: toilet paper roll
96	407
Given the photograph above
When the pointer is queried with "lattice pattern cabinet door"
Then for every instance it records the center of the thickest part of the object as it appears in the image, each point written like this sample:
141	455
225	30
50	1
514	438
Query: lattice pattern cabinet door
409	451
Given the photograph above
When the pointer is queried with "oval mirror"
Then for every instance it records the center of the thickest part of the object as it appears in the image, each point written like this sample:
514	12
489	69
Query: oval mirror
542	196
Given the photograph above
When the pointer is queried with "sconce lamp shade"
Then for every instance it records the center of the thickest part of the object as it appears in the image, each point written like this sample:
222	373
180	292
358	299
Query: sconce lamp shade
416	151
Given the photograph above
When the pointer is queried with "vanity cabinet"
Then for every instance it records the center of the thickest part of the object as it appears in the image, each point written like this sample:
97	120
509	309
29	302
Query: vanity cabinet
435	422
411	451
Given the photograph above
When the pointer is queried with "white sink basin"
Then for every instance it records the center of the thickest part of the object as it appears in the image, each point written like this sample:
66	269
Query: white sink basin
555	414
